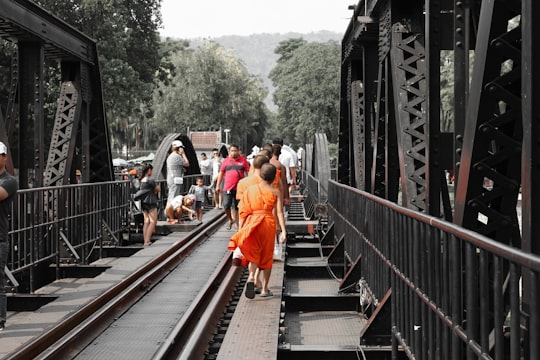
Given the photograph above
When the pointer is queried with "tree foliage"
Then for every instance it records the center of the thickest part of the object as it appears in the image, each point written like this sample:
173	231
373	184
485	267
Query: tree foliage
127	37
210	89
307	90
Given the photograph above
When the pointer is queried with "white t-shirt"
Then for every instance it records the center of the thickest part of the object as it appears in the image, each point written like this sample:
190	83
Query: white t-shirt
292	152
206	166
216	166
287	160
177	201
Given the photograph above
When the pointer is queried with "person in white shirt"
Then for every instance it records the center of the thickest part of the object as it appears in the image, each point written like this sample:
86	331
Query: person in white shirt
287	159
216	166
206	165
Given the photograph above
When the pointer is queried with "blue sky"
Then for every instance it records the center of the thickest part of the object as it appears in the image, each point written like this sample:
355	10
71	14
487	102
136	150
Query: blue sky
187	19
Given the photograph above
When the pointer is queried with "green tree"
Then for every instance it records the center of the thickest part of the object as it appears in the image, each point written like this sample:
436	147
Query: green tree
210	89
286	49
128	43
307	90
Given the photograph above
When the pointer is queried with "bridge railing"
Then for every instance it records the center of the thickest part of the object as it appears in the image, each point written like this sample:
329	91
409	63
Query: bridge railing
311	186
452	293
64	224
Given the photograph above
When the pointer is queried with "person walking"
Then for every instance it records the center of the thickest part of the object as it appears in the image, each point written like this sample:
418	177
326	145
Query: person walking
257	235
8	189
149	203
282	173
286	158
216	166
176	162
253	178
233	169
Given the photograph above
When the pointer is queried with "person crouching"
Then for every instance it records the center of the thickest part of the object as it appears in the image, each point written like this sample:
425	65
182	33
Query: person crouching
179	206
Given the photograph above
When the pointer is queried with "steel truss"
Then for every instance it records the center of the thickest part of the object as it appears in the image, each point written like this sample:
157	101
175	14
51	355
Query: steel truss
80	137
492	148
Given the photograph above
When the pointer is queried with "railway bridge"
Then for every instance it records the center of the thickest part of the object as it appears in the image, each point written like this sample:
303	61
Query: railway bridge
429	216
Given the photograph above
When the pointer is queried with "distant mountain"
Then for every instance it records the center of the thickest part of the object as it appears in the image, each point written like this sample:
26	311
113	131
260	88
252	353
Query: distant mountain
257	51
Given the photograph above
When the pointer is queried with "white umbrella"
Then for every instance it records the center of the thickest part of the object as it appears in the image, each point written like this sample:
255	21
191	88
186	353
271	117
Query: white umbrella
141	159
120	162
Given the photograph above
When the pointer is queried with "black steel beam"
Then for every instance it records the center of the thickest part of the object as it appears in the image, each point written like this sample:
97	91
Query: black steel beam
37	23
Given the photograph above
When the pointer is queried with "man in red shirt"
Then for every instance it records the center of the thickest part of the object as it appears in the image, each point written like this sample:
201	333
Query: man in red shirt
233	169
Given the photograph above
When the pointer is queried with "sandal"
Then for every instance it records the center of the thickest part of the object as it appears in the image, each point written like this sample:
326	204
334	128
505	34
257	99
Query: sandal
229	225
268	294
250	289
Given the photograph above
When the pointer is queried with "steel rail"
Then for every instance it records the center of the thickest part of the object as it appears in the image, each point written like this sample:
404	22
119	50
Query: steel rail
68	337
189	338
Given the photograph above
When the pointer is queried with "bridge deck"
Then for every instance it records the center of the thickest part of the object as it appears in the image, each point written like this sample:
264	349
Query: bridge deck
254	328
72	293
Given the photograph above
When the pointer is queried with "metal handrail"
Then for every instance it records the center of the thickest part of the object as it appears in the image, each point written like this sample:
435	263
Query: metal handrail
62	225
453	292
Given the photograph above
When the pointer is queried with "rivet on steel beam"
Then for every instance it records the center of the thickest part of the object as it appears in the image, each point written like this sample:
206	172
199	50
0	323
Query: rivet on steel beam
484	128
459	30
459	44
459	4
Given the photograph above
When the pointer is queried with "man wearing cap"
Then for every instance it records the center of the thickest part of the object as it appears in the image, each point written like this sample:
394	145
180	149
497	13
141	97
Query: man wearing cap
78	179
8	188
176	162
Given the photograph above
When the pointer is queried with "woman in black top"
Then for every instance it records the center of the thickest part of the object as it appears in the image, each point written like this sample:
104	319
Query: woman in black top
149	203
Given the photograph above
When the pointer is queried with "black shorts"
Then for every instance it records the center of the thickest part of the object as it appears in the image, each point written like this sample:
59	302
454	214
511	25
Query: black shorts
229	200
148	207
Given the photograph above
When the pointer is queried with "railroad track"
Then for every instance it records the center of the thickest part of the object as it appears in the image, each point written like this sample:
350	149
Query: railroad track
187	339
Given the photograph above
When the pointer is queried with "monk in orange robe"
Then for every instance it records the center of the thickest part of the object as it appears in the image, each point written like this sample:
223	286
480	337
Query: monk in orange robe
257	235
253	178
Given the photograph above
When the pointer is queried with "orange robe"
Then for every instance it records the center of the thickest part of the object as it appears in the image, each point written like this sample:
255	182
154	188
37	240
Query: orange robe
257	235
245	183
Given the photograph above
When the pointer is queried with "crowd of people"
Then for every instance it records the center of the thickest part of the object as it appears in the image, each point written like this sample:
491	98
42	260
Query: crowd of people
254	196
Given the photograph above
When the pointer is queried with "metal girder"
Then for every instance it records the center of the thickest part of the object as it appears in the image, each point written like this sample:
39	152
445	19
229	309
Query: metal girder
23	19
39	35
63	140
358	134
321	161
409	83
378	173
384	169
530	172
490	169
344	171
30	154
307	161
